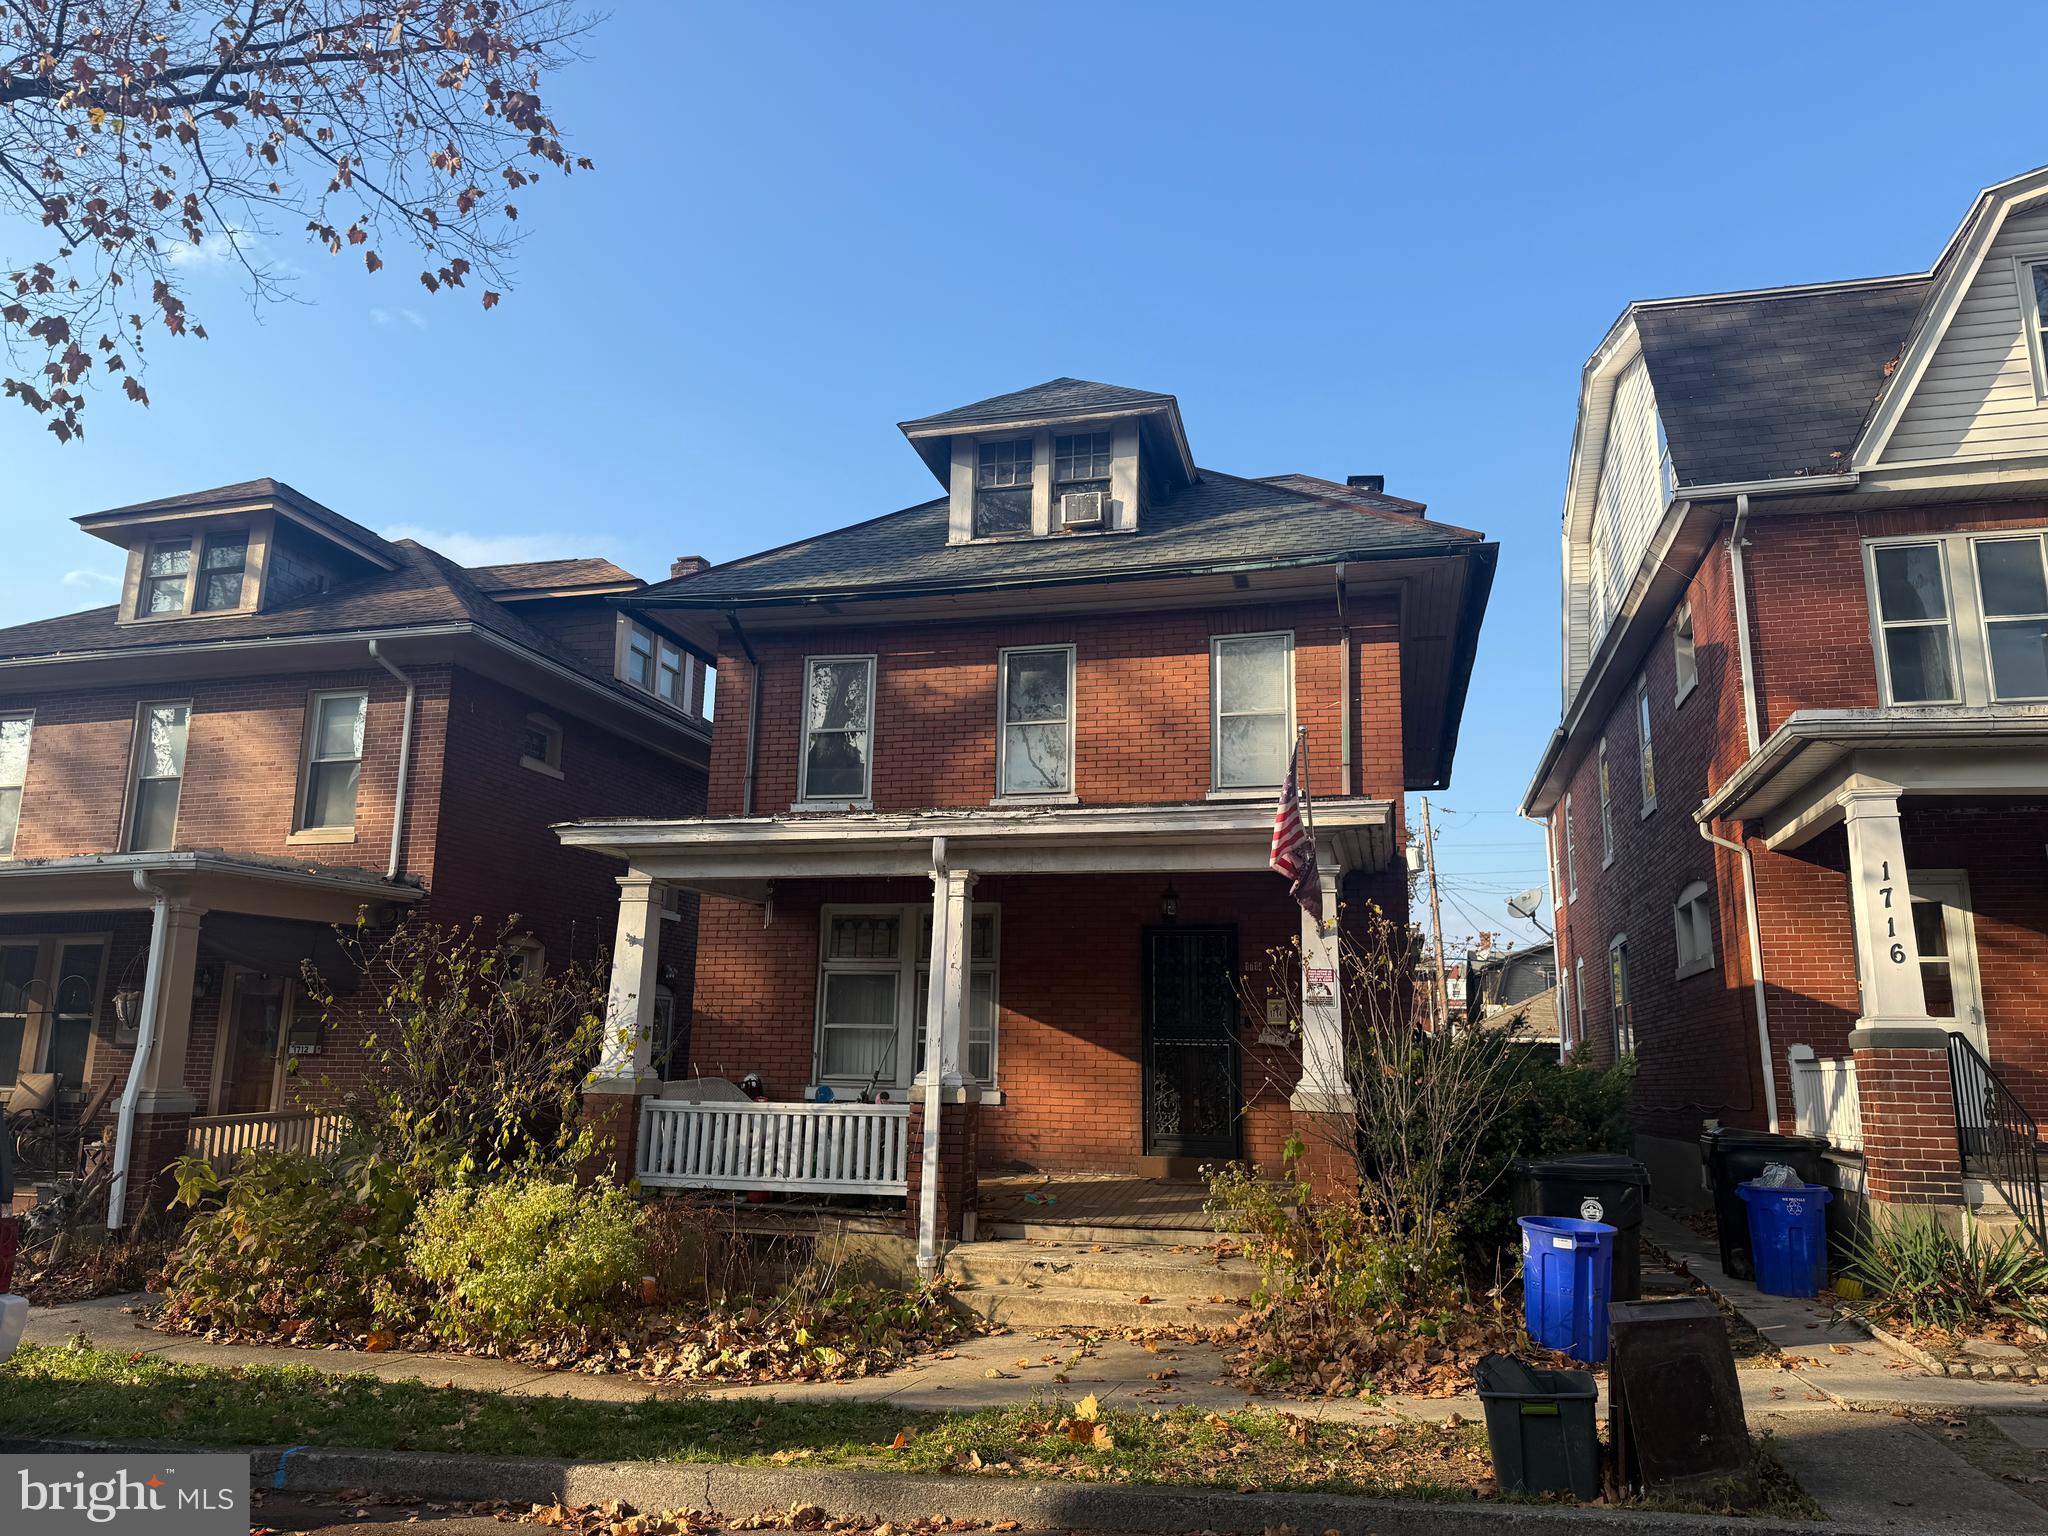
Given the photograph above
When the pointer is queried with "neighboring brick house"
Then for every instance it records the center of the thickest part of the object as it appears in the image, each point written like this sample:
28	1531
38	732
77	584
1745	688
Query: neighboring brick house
1027	738
1798	802
285	720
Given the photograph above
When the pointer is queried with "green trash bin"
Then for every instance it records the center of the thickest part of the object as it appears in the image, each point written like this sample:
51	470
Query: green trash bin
1541	1428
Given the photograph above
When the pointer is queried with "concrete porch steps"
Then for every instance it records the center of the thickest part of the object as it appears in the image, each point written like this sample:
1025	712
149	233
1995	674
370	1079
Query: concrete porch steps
1122	1237
1079	1283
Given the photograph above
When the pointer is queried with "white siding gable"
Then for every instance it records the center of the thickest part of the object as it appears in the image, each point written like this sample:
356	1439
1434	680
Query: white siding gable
1977	398
1628	502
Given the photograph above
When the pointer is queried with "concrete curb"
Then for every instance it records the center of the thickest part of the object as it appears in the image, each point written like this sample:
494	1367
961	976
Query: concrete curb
901	1497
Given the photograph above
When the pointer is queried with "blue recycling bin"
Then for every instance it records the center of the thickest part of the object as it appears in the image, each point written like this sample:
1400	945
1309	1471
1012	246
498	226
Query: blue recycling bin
1788	1235
1567	1277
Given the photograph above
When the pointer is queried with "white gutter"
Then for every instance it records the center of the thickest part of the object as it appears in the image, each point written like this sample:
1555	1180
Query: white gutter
1783	485
1756	967
1741	585
145	1044
391	870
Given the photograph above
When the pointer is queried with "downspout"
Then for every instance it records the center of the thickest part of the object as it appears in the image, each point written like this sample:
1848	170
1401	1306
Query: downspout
397	861
1756	967
1343	687
1740	582
145	1044
934	1071
753	711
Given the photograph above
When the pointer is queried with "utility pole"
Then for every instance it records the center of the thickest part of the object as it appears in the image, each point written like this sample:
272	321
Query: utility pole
1436	918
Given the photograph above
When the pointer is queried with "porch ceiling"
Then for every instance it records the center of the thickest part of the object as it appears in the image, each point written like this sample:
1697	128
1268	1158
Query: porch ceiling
213	882
728	854
1790	790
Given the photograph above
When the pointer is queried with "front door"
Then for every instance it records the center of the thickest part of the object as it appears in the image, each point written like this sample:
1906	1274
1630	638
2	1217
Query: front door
251	1045
1190	1003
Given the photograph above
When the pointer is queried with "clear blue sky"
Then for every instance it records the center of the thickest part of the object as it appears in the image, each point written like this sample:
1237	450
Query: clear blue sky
1350	238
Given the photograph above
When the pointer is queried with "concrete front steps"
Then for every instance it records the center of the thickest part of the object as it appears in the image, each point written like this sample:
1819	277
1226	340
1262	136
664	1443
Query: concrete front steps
1078	1281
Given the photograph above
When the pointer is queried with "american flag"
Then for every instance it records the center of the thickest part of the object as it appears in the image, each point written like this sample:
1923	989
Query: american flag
1294	845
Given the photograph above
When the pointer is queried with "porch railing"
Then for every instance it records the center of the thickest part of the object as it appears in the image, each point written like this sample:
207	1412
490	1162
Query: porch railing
830	1149
1825	1101
1995	1135
223	1139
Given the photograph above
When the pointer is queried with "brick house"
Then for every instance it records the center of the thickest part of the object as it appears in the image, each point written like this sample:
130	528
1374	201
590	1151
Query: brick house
285	720
992	793
1797	804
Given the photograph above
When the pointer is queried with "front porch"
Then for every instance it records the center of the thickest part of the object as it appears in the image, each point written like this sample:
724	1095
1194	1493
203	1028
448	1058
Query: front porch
1072	991
153	1002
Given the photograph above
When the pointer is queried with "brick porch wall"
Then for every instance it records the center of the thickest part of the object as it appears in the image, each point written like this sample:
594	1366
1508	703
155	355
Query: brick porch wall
1909	1122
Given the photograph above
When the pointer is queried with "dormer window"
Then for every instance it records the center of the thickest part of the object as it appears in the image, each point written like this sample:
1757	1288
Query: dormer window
654	664
1002	488
166	573
1080	470
221	569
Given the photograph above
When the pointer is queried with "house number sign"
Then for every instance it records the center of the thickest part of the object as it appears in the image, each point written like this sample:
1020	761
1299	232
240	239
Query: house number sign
1891	922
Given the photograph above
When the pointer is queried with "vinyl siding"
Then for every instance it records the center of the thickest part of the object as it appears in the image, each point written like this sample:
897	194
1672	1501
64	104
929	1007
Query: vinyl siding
1626	509
1977	399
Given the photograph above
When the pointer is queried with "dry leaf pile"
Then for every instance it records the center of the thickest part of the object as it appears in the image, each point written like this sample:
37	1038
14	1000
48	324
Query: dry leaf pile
616	1519
1317	1354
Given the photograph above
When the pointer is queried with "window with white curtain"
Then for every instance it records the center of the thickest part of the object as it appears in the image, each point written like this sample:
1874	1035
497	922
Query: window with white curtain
839	723
874	995
159	776
1035	754
1252	698
334	761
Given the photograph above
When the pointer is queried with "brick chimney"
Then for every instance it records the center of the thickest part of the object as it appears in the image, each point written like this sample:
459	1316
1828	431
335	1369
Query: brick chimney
687	565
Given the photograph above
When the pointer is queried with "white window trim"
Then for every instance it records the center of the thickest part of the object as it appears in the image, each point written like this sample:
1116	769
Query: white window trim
1579	999
1685	935
1606	786
135	746
686	678
2030	311
1617	949
908	963
865	800
1685	659
1218	790
309	733
1067	796
1646	750
551	765
1969	628
1571	855
1564	1013
21	789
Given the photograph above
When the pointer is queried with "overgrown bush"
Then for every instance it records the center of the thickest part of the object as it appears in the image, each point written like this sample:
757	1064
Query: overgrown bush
290	1244
528	1255
477	1065
1322	1255
1916	1273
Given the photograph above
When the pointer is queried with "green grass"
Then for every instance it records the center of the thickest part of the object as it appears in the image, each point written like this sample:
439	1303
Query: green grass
60	1391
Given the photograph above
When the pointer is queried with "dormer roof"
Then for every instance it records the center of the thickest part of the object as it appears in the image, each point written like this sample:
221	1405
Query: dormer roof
1057	402
116	524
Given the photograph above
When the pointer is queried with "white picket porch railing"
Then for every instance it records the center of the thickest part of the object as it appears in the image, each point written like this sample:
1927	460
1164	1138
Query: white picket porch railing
222	1139
1825	1101
826	1149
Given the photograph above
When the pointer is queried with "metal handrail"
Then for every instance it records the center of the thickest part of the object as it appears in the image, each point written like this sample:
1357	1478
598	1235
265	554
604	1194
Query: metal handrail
1995	1130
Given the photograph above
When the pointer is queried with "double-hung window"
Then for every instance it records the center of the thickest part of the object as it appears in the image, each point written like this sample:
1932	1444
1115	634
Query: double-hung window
334	761
671	675
15	731
1579	999
2031	276
1251	687
1002	487
1571	857
1646	760
980	1066
1961	618
166	577
1624	1011
636	666
1692	919
1606	809
158	773
1035	755
839	727
874	996
1685	661
223	563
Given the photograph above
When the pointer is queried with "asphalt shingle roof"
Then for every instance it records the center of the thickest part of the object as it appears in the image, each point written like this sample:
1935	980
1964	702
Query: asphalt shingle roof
261	489
549	576
1772	385
1050	398
1220	520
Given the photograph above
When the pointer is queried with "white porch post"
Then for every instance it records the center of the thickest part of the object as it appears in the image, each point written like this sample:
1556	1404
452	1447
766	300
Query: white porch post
1323	1088
945	1043
624	1062
156	1074
1882	908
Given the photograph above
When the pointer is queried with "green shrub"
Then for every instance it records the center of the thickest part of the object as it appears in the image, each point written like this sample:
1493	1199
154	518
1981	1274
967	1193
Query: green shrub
528	1255
1325	1255
1917	1273
290	1244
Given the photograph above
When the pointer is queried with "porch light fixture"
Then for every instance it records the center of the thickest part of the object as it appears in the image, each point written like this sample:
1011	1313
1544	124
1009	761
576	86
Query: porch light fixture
1169	903
127	1009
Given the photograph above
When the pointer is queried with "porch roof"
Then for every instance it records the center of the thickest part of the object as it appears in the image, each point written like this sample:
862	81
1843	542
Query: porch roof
730	855
1790	787
212	881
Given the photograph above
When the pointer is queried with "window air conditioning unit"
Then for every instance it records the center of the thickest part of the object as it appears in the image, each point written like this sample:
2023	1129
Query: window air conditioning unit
1082	509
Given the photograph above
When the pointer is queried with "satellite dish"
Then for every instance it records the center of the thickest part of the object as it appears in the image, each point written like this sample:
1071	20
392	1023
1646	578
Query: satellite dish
1528	904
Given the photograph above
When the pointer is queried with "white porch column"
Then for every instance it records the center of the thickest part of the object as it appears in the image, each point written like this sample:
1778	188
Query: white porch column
1882	908
1322	1088
943	1074
624	1061
163	1073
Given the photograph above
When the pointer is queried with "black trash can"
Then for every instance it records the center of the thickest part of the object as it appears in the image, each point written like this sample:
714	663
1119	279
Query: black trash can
1540	1427
1732	1157
1592	1186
